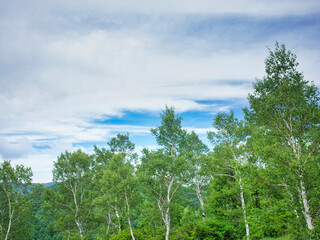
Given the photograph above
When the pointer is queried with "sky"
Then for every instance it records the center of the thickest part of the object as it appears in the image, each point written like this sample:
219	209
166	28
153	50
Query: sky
75	73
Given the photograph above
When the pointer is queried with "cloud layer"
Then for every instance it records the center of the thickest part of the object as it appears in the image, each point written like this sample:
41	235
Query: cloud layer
63	66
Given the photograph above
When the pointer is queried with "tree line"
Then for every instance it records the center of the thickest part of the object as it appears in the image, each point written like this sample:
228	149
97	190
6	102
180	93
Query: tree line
259	178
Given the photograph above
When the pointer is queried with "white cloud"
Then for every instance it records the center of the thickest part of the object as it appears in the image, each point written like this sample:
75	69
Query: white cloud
199	130
15	149
251	7
41	161
100	73
63	65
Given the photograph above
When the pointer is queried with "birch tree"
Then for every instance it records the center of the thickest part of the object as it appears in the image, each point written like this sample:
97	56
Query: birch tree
286	108
196	152
15	206
117	182
73	175
230	136
115	187
166	169
108	213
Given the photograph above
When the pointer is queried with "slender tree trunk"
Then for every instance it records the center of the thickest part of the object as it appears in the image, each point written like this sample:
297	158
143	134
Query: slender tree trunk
200	200
79	225
292	202
306	209
241	194
118	217
10	215
244	210
128	216
303	193
167	214
167	217
131	231
108	226
9	226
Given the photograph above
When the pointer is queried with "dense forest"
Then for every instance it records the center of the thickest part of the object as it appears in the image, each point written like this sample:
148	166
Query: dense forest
259	178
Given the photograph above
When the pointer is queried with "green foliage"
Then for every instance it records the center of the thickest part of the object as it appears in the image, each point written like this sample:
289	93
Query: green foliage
149	217
140	234
121	144
288	237
42	220
73	200
116	198
169	134
286	109
15	201
165	170
190	216
214	228
284	94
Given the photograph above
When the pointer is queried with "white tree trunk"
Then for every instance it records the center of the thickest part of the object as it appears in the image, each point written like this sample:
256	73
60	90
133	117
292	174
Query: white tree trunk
10	215
292	202
244	210
128	216
108	226
306	209
9	225
167	217
118	217
75	200
200	200
79	225
167	214
131	231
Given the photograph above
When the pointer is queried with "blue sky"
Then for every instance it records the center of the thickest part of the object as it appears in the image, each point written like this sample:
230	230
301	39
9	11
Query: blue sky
76	73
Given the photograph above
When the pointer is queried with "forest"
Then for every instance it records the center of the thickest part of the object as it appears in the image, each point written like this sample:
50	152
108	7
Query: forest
259	178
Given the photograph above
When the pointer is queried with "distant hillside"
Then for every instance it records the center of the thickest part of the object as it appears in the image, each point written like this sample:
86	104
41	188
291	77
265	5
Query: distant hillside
49	184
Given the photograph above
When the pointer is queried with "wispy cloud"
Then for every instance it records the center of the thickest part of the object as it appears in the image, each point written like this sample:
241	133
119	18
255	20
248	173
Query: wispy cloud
251	7
65	65
16	149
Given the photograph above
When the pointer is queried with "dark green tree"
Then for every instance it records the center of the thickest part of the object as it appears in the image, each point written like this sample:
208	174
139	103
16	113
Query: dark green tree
121	144
286	108
117	183
230	153
196	153
164	170
15	204
73	200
